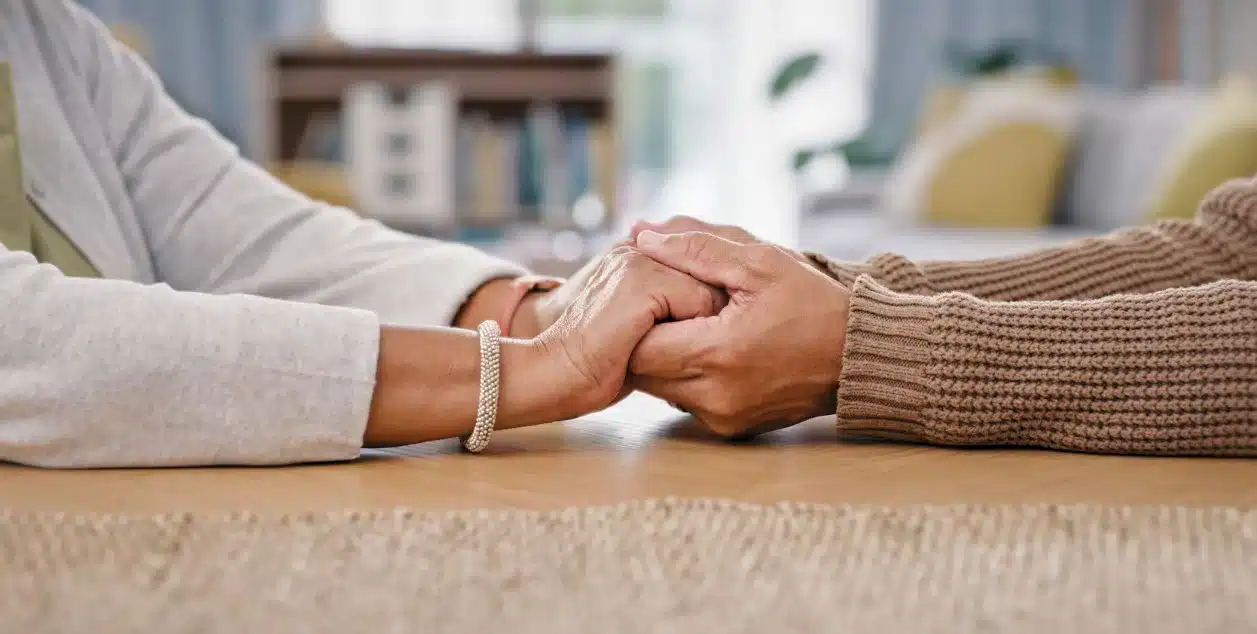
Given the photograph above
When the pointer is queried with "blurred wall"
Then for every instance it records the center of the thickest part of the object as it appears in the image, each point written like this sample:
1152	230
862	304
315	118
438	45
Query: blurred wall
206	50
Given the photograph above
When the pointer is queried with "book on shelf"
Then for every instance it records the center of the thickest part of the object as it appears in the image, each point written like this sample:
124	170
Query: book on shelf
489	201
535	170
604	155
552	155
418	161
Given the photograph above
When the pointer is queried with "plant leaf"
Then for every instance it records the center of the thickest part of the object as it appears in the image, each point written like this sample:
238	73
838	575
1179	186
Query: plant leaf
795	70
802	158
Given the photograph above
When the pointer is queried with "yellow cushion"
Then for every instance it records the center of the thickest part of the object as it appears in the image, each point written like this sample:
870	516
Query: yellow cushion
998	163
1007	178
1219	146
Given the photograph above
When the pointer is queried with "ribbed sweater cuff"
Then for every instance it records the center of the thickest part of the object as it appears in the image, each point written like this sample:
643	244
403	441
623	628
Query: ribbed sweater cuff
845	272
891	270
884	385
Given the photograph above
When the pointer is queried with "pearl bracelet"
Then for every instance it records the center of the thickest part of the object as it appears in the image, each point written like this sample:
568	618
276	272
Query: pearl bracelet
490	375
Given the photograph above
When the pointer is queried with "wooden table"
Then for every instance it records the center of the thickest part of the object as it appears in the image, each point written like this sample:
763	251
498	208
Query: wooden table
642	449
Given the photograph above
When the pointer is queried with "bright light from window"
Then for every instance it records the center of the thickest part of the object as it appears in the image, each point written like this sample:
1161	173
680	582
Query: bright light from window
483	24
679	111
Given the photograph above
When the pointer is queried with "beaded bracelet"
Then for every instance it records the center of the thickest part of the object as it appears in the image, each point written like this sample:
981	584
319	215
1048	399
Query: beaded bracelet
490	376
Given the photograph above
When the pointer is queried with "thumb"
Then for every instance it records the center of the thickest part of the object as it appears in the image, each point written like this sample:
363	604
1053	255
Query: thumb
670	350
705	257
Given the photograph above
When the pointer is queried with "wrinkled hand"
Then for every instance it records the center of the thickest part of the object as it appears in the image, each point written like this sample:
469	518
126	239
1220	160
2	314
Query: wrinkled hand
686	224
550	305
545	308
732	233
626	294
769	359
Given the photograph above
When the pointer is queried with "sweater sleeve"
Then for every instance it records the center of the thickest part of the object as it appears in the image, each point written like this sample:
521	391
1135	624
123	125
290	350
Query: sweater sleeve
1220	244
1172	372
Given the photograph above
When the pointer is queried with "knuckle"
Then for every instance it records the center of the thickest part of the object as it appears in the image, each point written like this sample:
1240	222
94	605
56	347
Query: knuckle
639	270
725	405
637	263
722	426
720	356
732	234
758	256
761	259
743	235
680	222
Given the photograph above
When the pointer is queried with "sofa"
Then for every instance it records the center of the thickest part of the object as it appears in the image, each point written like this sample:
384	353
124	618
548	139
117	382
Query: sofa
1026	164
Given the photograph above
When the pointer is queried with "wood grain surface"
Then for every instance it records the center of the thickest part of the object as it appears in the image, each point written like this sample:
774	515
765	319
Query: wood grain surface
642	449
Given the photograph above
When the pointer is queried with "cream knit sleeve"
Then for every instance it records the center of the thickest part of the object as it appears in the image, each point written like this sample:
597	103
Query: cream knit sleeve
1172	372
1220	244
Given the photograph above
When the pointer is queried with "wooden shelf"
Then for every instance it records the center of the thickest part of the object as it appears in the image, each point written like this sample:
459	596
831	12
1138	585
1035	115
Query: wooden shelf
302	82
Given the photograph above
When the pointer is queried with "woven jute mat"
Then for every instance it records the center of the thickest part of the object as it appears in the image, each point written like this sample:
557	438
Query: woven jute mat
660	566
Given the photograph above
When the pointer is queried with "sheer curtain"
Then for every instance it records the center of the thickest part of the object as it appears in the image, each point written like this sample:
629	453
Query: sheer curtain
700	135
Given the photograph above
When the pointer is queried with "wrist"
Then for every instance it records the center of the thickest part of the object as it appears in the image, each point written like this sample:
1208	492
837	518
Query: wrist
834	355
532	390
526	320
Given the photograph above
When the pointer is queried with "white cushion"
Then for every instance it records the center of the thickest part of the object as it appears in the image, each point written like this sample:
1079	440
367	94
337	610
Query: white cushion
1124	142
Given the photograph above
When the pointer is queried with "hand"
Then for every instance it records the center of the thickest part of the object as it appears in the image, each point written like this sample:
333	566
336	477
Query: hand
428	379
545	307
585	354
686	224
541	309
732	233
771	358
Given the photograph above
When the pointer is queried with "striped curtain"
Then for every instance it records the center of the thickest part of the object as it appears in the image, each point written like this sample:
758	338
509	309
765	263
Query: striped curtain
206	50
1219	39
1094	35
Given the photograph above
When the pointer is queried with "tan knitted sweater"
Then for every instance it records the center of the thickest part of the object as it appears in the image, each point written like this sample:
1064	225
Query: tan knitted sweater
1144	341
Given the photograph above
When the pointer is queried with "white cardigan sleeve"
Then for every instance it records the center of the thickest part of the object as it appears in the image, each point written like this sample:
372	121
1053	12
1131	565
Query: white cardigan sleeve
109	373
260	345
217	223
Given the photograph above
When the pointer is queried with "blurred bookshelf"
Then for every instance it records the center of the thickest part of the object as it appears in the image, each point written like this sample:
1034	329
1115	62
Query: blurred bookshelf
515	152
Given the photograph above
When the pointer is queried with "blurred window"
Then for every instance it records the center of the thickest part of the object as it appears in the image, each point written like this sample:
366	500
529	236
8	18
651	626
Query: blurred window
679	61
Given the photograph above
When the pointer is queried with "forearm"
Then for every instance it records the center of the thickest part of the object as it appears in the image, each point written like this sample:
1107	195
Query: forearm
1165	373
428	386
1220	244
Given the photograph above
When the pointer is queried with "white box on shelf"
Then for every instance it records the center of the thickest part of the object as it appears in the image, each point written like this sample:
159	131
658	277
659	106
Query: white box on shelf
400	153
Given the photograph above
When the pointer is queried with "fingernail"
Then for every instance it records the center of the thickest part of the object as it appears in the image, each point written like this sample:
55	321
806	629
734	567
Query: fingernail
649	239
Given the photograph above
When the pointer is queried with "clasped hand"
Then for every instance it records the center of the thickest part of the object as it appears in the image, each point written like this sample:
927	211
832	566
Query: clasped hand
745	336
